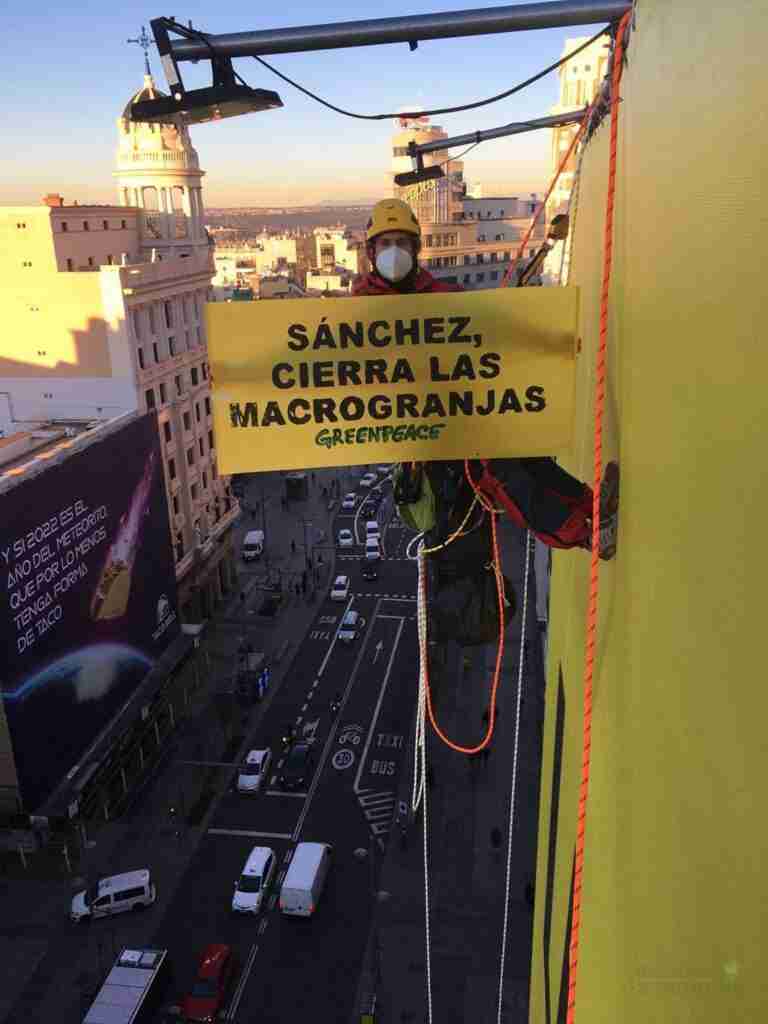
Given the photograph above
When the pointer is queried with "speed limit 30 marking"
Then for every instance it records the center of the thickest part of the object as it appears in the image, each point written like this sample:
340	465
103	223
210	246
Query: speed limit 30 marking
343	759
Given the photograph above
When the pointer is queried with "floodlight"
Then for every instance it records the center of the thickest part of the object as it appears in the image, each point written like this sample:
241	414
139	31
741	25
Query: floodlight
224	98
211	104
422	174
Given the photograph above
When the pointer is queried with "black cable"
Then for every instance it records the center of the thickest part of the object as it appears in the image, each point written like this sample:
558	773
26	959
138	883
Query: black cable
414	113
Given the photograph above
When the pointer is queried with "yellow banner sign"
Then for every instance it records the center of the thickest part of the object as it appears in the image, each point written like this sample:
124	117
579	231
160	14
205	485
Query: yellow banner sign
306	383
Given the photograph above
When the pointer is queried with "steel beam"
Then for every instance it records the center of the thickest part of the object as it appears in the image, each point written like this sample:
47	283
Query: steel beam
499	133
374	32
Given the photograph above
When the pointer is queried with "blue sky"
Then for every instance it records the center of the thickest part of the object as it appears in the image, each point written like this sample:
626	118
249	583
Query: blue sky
70	72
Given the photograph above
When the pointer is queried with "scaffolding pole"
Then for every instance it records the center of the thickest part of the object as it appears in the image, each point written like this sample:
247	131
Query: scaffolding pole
412	29
555	121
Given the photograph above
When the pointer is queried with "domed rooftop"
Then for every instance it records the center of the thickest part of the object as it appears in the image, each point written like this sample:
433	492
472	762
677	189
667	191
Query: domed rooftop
148	91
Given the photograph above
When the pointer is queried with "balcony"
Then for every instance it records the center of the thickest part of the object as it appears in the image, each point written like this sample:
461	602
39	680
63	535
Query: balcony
153	275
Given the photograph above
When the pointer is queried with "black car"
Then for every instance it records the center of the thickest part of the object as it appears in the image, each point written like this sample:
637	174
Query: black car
370	571
298	766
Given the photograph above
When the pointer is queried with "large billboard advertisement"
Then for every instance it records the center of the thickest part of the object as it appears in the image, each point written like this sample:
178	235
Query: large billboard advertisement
87	597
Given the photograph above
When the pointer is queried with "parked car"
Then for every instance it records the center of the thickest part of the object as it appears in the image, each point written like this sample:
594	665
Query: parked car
254	881
370	570
346	540
298	766
254	771
348	628
367	481
349	504
214	974
114	895
340	588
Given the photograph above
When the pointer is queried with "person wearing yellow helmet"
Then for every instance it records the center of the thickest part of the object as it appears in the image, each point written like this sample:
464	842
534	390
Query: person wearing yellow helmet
392	244
536	493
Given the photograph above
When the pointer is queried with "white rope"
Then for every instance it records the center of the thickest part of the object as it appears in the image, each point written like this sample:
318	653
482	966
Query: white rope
515	751
420	757
573	204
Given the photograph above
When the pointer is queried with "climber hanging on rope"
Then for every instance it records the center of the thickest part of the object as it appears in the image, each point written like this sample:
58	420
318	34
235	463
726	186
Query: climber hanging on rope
536	493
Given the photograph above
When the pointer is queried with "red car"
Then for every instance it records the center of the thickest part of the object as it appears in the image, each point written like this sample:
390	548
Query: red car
214	974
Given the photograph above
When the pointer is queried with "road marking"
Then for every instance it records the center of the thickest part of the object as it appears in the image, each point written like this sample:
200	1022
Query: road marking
282	792
281	876
238	993
377	709
263	924
305	706
272	902
287	857
343	759
247	832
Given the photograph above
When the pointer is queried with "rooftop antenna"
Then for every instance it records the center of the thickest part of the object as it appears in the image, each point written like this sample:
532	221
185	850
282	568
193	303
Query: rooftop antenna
144	41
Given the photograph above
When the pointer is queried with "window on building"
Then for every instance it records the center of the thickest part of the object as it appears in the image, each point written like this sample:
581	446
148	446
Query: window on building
499	238
204	368
109	259
172	346
149	395
501	213
105	225
163	394
187	421
69	264
167	431
156	351
427	241
494	275
481	238
467	278
197	306
207	407
467	259
179	547
86	226
193	492
199	336
190	456
140	353
479	277
123	225
205	479
210	439
175	504
136	321
184	308
197	411
494	257
64	226
152	320
201	446
531	252
507	256
168	307
213	470
193	373
171	469
178	385
90	261
187	345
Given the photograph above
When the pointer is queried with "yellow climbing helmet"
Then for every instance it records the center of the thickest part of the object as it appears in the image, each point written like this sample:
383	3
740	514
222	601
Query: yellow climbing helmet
392	215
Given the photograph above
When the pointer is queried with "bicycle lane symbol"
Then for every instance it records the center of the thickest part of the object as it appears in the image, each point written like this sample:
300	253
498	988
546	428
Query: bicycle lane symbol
345	758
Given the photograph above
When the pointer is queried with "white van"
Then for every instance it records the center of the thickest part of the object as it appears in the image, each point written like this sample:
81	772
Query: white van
113	895
253	545
254	881
372	529
305	878
372	549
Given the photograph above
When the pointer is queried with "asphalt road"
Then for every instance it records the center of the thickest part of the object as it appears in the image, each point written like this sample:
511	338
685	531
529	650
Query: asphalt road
291	969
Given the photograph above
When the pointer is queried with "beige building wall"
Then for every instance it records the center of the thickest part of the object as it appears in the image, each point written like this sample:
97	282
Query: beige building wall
333	248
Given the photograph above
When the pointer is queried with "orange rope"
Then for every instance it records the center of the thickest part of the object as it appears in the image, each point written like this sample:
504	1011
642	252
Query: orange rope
500	651
593	581
563	162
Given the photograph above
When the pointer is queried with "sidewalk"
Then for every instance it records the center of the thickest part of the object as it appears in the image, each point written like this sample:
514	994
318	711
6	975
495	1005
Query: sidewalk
466	873
47	976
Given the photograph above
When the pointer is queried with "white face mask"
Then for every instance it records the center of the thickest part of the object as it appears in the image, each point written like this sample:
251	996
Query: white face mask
394	263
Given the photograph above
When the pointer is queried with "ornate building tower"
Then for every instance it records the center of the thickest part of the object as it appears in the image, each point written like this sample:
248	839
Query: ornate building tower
158	171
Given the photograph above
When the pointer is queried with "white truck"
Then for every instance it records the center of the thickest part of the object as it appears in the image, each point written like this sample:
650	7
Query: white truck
253	545
133	990
305	878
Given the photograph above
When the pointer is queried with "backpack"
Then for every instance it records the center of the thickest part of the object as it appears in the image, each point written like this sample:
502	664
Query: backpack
414	497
